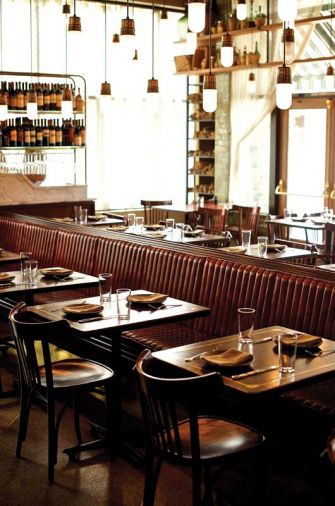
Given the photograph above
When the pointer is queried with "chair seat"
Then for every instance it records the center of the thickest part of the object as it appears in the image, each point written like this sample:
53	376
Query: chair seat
72	373
218	438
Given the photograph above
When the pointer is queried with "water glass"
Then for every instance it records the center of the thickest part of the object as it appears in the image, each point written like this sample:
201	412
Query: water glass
262	245
122	304
105	287
180	227
31	272
169	223
139	224
131	220
24	256
77	214
83	216
287	351
245	322
287	213
246	238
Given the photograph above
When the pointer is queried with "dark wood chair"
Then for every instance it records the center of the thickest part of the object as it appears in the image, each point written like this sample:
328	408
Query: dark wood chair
65	380
243	218
152	215
212	220
196	441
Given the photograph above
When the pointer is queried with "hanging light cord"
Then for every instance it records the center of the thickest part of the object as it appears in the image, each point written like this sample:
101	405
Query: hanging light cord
105	40
127	9
284	44
74	7
210	36
331	28
153	39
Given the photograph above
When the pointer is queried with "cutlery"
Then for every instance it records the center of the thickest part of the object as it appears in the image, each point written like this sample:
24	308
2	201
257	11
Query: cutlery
321	353
254	372
163	306
95	319
263	340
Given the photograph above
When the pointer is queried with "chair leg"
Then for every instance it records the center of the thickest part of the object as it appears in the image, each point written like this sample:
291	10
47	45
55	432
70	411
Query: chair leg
25	404
111	447
52	441
208	495
196	484
152	470
76	420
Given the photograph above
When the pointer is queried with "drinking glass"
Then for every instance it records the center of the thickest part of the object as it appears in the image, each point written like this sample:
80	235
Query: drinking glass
77	214
330	214
105	287
24	256
131	220
139	224
83	216
287	351
246	238
262	245
169	223
245	322
31	272
287	213
122	304
180	227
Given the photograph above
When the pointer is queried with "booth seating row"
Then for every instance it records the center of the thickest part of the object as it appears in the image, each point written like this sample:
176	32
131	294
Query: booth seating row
293	296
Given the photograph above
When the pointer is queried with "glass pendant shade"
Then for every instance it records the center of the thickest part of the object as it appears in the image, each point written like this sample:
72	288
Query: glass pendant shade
329	78
191	42
67	103
3	108
227	50
196	16
209	93
287	9
153	95
241	10
251	84
32	105
288	40
284	88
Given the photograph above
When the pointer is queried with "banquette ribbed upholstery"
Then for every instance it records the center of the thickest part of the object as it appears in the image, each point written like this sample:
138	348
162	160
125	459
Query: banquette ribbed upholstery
293	297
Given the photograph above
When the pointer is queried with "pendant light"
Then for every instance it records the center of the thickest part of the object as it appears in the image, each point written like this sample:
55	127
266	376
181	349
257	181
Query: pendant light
287	10
287	40
227	48
191	42
209	91
3	103
74	22
105	92
127	35
153	86
241	10
196	15
66	8
67	98
31	96
329	77
251	84
164	15
284	86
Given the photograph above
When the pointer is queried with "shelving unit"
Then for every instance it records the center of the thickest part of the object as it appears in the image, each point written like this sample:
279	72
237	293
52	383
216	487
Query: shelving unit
54	165
200	145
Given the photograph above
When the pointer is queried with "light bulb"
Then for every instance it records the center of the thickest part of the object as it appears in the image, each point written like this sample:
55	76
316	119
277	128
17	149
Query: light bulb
241	10
227	56
191	42
287	9
196	16
284	95
251	84
209	93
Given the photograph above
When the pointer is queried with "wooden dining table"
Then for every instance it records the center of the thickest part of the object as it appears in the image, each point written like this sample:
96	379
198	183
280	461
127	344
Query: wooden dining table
99	337
9	257
287	253
188	212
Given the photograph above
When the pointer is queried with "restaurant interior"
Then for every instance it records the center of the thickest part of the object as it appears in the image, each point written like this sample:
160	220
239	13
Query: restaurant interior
167	264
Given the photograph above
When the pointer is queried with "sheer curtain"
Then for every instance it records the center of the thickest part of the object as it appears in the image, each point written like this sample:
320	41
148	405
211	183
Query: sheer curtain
131	152
250	115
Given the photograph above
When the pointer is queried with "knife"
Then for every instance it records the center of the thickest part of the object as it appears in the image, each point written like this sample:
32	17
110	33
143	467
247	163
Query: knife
256	371
94	319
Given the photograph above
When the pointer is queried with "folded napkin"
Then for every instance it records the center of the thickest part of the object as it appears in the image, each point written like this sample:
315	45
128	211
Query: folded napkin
237	249
305	340
97	217
228	358
156	235
193	233
5	277
273	246
56	271
64	220
82	309
147	298
118	228
154	227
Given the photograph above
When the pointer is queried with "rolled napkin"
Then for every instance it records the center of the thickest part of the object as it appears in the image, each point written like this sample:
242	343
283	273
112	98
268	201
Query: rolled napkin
84	308
5	277
147	298
58	272
228	358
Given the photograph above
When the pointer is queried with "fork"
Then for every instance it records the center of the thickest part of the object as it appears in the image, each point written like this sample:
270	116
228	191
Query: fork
163	306
321	353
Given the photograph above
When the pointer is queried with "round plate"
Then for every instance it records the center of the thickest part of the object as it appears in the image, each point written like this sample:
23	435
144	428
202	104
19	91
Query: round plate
225	365
82	309
147	298
6	278
57	272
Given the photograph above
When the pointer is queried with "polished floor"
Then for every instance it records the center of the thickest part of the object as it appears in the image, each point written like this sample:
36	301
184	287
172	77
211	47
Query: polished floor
96	480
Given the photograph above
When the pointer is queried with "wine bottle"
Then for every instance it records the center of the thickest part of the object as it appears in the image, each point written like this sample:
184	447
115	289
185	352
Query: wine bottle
20	133
39	134
83	133
53	105
46	98
79	102
77	136
52	133
5	135
45	134
26	133
13	135
32	134
19	98
59	134
39	95
70	133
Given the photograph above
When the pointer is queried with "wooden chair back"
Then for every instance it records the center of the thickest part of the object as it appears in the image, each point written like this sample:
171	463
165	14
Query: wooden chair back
151	215
247	219
213	220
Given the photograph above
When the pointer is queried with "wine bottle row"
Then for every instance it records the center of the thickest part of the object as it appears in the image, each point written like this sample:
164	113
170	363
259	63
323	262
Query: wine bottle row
42	132
48	96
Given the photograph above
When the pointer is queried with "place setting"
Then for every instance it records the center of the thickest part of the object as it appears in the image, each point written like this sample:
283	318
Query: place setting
153	301
6	280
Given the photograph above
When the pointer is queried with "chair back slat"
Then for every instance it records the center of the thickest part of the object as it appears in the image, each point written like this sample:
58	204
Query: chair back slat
151	215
